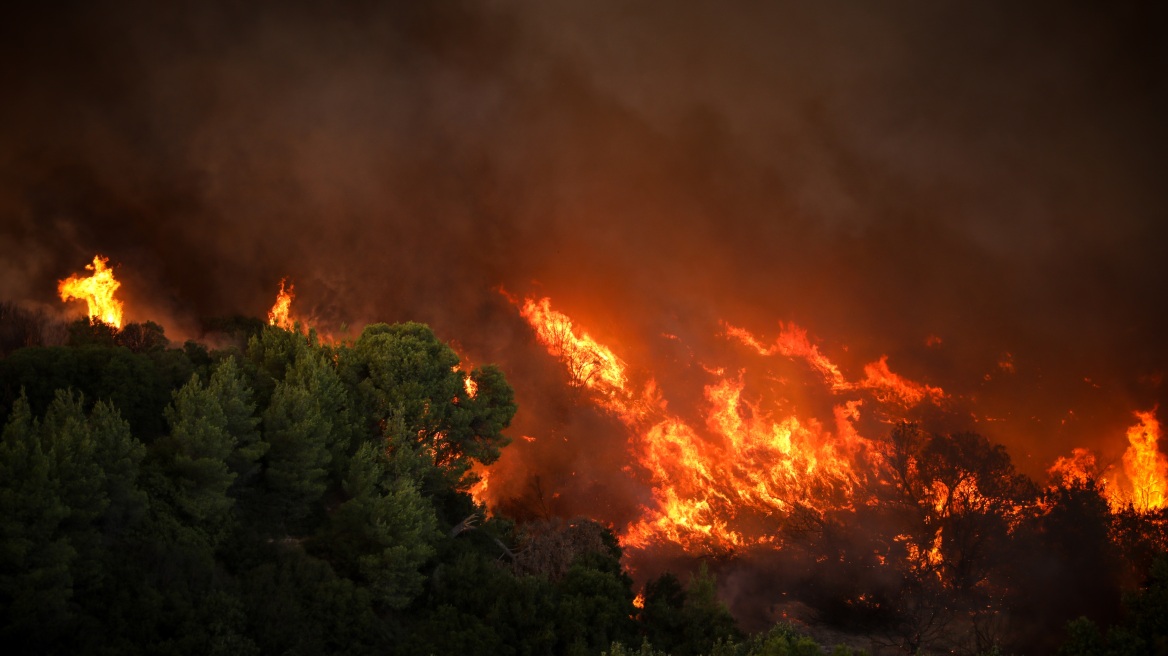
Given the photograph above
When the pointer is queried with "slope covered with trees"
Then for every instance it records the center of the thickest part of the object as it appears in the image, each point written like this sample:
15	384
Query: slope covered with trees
286	496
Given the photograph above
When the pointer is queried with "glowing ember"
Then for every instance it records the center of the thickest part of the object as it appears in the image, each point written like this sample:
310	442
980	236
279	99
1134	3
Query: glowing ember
281	313
97	291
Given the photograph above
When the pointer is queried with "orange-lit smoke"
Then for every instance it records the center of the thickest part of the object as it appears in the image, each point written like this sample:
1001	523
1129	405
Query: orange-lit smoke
97	291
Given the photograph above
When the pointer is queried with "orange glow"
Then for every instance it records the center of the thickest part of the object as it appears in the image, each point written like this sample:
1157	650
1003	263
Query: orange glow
97	291
639	600
281	313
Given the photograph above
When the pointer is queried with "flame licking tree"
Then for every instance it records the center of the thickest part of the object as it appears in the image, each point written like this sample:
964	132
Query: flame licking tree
720	483
281	313
97	291
1145	466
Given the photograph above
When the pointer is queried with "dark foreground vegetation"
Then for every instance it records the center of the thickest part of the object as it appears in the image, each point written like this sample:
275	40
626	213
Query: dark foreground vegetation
283	496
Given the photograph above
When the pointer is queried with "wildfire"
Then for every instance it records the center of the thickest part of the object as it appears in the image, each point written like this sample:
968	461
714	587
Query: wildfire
590	363
478	491
728	481
1078	469
734	476
1143	484
878	377
793	342
97	291
281	313
1145	466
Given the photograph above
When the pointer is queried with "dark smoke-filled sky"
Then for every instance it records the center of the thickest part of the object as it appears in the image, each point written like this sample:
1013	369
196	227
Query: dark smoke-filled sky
990	174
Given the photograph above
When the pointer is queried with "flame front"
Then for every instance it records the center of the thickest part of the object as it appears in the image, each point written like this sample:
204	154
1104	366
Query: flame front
733	477
97	291
730	480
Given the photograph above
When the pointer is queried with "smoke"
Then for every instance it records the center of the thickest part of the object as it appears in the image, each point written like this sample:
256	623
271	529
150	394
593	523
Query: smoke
972	190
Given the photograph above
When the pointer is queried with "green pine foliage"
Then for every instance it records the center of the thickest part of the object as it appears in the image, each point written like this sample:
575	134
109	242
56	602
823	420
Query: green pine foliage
294	497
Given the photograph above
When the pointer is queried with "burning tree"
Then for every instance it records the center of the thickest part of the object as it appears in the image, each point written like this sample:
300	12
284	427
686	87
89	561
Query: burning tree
928	539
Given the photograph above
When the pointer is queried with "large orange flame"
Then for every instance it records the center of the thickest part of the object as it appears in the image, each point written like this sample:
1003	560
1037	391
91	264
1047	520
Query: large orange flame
97	291
728	481
1143	483
1145	466
733	478
281	313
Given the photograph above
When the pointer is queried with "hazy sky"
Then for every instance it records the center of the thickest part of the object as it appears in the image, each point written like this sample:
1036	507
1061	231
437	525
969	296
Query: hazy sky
989	173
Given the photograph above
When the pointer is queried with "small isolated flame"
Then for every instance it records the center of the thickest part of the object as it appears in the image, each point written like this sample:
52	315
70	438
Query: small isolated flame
97	291
281	313
639	600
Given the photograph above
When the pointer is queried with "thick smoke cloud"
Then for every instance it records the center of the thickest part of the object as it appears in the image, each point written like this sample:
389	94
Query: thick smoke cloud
881	174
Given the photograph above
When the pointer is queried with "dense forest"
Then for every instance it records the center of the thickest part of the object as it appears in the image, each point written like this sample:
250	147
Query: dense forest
280	495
